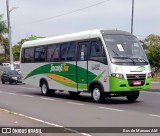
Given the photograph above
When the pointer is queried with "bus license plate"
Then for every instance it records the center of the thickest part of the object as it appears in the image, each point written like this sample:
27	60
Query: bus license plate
136	82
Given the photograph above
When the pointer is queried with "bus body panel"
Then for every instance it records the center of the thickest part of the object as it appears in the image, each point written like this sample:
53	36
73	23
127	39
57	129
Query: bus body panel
101	72
131	74
78	75
58	75
58	80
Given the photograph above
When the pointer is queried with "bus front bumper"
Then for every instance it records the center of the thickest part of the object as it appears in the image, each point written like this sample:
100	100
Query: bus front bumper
121	85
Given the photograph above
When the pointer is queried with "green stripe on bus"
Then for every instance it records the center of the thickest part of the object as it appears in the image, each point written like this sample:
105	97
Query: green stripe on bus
63	69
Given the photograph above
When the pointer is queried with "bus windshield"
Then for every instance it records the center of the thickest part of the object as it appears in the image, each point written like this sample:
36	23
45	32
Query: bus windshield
125	50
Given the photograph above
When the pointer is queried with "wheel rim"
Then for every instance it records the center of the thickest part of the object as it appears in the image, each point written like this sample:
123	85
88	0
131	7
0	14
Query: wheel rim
44	89
96	94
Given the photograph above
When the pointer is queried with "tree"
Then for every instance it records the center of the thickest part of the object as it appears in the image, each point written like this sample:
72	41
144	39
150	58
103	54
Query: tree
16	48
3	28
153	51
16	52
3	40
152	40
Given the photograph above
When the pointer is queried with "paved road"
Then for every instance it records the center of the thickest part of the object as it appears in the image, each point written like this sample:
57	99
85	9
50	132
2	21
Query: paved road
62	110
155	86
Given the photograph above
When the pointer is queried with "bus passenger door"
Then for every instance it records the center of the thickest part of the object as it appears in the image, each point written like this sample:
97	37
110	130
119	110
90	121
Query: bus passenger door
82	66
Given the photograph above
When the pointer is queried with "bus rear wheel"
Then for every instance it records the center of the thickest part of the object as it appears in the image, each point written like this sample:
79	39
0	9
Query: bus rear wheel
45	90
97	94
133	96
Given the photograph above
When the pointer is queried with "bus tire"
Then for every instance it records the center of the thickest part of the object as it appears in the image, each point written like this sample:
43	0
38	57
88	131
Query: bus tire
97	93
133	96
45	90
74	94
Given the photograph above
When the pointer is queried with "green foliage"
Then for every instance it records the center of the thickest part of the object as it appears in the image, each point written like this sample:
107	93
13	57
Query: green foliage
153	51
152	40
4	58
33	37
3	30
3	26
16	48
16	52
153	54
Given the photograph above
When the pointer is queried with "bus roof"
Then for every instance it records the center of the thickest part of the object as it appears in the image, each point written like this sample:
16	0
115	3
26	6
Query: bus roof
72	37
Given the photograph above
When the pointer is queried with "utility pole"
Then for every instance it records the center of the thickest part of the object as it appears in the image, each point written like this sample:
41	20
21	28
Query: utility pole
9	36
132	17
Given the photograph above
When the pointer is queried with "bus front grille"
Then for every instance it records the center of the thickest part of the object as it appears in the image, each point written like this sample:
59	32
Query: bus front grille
136	77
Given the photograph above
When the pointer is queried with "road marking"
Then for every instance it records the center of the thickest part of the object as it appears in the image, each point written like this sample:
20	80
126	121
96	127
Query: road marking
75	103
12	93
45	122
154	115
27	95
110	109
28	88
48	99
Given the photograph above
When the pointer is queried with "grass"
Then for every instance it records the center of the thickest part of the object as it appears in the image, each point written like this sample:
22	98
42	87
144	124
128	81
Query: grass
155	79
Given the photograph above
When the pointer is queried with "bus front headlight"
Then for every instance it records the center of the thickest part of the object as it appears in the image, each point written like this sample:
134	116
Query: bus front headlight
117	75
149	75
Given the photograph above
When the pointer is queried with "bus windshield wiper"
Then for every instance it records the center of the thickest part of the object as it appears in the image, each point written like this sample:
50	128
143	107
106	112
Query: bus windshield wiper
125	58
141	59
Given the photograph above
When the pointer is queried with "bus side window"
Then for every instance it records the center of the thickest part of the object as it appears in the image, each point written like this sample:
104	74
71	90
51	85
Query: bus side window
68	51
55	55
136	49
29	55
64	49
50	52
40	54
82	52
71	51
97	51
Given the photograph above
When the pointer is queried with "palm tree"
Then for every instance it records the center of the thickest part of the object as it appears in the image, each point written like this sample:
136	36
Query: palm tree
3	40
3	28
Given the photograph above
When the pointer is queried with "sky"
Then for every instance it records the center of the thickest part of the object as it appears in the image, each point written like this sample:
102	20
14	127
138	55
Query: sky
48	18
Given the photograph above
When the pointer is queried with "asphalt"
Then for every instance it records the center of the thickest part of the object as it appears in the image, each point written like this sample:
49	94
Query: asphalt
155	87
11	119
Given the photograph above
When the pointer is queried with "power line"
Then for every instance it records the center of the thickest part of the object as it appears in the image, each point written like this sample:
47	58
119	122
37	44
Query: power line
67	13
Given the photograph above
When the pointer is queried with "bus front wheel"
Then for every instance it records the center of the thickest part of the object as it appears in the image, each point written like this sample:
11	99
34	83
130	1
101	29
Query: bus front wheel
133	96
97	94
